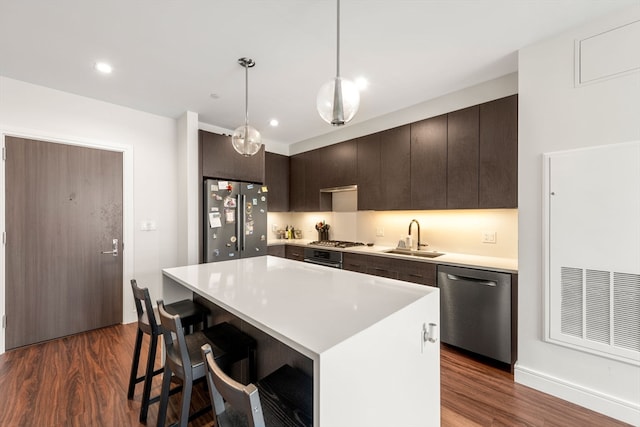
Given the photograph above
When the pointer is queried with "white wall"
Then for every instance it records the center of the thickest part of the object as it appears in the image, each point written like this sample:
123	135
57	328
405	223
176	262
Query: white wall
150	148
554	115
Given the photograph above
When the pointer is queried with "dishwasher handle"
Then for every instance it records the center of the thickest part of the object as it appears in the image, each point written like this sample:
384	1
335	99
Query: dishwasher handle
472	280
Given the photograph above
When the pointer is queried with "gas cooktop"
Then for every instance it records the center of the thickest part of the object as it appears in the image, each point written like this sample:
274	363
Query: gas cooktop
335	243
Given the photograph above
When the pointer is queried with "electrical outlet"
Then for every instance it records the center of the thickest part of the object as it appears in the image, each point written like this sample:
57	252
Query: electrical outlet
380	232
488	237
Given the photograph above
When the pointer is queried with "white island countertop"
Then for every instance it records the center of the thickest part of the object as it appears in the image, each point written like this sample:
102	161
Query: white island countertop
373	341
310	308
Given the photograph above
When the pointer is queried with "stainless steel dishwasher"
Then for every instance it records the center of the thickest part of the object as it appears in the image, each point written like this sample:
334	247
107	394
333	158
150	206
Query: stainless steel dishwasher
475	310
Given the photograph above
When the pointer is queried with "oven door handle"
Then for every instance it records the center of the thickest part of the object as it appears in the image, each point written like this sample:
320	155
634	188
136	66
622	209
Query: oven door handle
326	264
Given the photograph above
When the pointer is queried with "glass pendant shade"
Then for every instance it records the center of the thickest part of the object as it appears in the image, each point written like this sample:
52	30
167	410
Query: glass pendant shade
338	101
246	140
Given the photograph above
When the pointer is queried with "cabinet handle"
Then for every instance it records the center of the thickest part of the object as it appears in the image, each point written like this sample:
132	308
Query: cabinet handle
416	275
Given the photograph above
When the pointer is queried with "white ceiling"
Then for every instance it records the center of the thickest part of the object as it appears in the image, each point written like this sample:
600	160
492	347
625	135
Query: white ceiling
169	56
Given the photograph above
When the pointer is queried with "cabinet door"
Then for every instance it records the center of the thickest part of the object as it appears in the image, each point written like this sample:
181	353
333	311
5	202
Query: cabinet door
338	163
220	160
462	158
369	190
499	153
395	168
429	163
276	250
276	173
297	183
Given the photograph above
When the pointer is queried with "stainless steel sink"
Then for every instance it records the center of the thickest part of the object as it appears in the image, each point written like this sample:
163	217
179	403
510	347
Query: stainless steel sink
422	254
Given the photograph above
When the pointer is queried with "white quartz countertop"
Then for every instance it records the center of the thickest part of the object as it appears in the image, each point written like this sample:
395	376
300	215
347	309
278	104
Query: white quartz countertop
309	307
507	265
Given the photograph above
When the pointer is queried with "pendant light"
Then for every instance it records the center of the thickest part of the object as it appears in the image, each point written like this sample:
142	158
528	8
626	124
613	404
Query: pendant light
246	140
338	100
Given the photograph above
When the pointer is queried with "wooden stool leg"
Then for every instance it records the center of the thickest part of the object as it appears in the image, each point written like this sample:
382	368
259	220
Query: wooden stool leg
148	378
186	402
134	365
164	397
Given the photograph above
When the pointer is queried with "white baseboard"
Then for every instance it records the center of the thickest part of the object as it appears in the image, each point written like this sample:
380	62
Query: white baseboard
611	406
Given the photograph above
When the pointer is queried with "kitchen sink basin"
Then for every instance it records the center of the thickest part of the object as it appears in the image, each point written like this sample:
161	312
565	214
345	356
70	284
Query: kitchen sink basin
422	254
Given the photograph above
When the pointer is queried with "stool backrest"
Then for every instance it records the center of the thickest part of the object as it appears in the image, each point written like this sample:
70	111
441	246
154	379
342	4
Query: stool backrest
146	315
175	344
243	398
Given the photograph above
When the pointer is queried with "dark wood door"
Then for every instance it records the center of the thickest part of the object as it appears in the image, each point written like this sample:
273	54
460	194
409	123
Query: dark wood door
276	173
63	208
395	168
462	149
499	153
429	163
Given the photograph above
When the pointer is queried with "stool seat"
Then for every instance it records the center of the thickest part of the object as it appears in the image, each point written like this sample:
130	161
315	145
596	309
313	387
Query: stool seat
148	325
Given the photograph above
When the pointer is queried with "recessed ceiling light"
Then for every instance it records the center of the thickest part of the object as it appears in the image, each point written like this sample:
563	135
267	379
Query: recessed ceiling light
361	83
214	96
103	67
274	122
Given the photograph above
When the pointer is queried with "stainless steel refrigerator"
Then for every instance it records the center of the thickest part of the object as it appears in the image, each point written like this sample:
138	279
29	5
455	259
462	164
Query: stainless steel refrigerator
235	220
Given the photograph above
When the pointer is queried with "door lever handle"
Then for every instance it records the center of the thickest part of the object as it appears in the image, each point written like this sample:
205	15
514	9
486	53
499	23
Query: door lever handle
114	252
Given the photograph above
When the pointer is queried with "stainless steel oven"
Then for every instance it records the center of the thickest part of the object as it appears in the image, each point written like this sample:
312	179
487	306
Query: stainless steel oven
323	257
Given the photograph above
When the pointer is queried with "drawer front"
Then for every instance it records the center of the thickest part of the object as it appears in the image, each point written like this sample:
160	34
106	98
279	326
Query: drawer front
417	272
355	262
294	252
276	250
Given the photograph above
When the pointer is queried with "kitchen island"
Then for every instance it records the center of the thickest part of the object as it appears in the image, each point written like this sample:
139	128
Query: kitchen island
372	364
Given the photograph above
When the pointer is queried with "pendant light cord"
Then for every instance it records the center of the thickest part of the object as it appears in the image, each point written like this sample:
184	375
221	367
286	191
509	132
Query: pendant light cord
338	42
246	94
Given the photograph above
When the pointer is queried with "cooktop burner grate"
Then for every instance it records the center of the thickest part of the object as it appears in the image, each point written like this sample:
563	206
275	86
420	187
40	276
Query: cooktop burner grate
336	243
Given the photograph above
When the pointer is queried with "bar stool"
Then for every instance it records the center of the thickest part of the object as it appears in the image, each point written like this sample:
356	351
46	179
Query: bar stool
283	398
193	314
183	358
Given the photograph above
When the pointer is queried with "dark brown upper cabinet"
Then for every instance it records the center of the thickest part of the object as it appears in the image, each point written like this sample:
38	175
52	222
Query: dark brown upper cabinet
499	153
276	173
338	164
220	160
462	158
369	189
429	163
395	168
304	184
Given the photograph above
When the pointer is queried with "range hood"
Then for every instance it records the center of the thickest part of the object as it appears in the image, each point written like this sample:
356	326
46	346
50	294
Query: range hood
343	199
339	189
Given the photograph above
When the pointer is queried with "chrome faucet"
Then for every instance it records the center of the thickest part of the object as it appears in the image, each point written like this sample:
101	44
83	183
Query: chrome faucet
409	232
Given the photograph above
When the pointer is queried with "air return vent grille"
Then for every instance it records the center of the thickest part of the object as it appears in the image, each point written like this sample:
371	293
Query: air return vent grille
626	311
600	307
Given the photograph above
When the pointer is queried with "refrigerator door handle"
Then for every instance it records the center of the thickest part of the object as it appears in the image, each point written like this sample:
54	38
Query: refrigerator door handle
239	223
244	225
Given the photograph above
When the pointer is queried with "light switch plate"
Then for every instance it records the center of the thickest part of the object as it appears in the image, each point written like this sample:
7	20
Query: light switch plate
488	237
380	232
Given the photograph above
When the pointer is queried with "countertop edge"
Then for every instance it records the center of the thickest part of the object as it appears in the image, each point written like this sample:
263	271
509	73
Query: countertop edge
504	265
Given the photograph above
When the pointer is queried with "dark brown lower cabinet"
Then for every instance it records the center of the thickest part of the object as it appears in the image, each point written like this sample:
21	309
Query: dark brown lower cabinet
423	273
294	252
276	250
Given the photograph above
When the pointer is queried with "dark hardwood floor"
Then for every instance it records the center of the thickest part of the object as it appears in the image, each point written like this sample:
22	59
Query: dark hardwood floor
82	381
